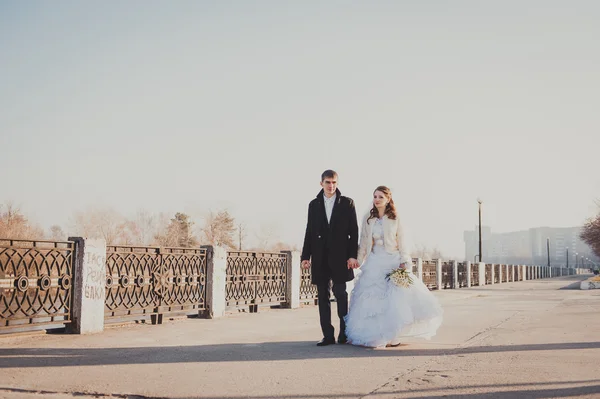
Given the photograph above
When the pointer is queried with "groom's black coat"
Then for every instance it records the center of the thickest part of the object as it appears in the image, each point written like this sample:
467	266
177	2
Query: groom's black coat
338	239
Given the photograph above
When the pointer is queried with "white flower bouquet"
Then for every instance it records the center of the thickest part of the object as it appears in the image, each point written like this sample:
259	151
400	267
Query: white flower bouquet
400	277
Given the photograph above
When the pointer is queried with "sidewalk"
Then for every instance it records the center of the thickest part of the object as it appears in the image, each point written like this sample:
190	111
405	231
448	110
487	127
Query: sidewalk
539	330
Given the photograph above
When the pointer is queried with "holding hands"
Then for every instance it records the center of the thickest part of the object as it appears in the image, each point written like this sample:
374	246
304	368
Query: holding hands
353	264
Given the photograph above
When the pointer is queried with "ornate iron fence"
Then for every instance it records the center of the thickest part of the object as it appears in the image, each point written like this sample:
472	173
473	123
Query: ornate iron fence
35	284
488	273
430	274
255	278
308	291
474	274
147	282
414	266
447	275
462	274
505	272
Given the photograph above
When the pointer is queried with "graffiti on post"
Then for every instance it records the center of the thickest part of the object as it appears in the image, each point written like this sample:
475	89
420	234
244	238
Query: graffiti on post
94	274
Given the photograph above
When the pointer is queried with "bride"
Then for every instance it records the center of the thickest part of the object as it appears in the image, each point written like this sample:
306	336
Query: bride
382	313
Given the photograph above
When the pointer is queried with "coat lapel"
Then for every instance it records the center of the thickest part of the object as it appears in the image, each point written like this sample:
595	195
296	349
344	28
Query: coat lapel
334	211
322	216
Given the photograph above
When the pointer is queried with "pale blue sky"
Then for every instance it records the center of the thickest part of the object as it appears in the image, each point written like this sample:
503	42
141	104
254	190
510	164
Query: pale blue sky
190	105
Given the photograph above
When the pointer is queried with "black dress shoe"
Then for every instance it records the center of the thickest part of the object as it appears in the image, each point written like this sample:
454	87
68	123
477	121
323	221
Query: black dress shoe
393	345
326	341
342	339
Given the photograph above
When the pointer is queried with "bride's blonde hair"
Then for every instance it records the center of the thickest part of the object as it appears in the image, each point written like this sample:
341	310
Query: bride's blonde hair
390	208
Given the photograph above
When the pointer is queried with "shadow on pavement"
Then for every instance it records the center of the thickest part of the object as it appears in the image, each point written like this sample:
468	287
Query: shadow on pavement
574	286
268	351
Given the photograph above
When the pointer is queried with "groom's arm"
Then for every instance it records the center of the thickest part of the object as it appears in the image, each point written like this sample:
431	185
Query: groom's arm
353	233
306	249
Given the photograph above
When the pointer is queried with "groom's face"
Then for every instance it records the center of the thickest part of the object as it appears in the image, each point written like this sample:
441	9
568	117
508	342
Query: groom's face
329	185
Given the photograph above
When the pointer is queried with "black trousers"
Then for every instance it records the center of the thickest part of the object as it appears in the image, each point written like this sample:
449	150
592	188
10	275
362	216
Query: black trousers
341	297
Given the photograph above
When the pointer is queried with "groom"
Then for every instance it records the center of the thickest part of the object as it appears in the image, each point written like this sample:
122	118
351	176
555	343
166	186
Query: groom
330	249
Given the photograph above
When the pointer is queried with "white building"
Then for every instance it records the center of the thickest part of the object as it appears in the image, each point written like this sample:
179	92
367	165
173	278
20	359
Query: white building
529	246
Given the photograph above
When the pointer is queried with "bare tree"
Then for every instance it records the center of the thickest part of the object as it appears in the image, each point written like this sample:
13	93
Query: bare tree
266	237
100	223
13	224
146	225
161	227
242	234
129	233
436	253
179	233
590	233
57	233
282	246
423	252
219	229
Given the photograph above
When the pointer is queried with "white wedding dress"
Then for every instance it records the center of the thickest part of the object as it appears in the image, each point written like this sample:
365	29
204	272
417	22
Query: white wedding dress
382	313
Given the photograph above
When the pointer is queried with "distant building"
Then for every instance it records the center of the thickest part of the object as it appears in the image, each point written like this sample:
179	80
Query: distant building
528	246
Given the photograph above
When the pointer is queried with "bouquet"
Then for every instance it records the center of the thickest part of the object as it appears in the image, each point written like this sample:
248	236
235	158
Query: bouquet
400	277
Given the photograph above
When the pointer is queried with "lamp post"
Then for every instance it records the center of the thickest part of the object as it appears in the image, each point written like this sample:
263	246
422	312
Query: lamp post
567	258
576	254
479	203
548	250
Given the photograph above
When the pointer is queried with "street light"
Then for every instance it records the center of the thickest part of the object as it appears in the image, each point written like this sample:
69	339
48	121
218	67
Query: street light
479	202
548	250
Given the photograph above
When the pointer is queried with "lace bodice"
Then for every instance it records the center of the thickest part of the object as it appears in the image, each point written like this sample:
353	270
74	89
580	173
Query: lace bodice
378	233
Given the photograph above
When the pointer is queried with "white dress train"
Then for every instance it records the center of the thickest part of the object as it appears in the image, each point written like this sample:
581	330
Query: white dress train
382	313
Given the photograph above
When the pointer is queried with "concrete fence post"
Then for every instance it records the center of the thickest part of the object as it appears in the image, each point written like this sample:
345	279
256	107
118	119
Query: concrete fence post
420	269
469	282
216	280
481	266
89	286
293	278
455	283
438	273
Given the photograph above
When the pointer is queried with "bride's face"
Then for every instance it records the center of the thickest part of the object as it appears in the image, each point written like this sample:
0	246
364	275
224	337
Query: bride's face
379	199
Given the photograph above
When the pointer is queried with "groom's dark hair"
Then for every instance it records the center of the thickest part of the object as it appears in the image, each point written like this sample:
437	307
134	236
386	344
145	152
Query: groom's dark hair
329	174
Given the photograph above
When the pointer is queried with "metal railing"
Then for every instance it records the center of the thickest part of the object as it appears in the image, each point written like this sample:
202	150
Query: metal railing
488	273
414	265
255	278
447	274
308	291
462	274
474	274
35	284
147	282
430	274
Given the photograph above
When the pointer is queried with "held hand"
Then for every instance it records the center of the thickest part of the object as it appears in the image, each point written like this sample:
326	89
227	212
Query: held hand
353	264
305	264
403	265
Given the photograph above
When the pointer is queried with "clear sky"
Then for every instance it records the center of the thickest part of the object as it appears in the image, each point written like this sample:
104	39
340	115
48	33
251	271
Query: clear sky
196	105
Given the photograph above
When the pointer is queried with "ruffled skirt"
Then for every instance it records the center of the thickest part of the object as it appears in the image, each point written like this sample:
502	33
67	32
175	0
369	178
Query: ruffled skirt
382	313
